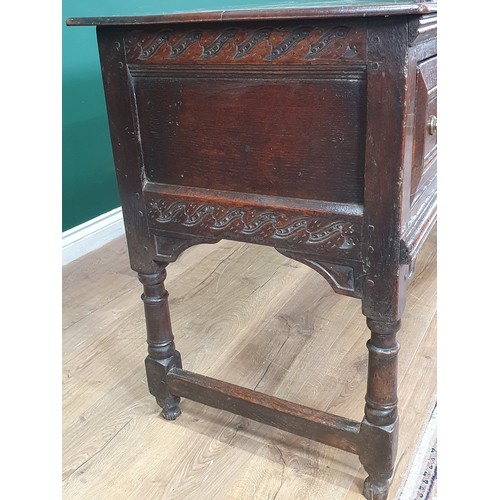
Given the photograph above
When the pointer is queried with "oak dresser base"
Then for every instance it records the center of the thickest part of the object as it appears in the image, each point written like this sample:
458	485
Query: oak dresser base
310	130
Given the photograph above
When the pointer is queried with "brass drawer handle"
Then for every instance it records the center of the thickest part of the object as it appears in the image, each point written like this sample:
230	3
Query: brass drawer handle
433	125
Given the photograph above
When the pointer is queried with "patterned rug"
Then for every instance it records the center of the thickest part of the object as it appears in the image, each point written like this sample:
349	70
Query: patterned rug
421	483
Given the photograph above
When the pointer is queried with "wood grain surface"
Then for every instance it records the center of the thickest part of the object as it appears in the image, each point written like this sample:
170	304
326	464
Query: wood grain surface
247	315
186	142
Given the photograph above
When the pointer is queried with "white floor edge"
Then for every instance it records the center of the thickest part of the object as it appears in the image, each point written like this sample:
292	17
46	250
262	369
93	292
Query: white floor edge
420	457
91	235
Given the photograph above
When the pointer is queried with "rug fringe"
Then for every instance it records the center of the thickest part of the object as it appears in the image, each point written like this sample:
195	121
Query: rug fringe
420	483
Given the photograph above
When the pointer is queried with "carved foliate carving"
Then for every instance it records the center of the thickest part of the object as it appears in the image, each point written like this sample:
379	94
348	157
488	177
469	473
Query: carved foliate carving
243	44
258	225
290	40
217	45
251	42
184	43
150	49
325	40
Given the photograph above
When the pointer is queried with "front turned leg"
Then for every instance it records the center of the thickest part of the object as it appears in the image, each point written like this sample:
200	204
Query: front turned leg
379	429
161	348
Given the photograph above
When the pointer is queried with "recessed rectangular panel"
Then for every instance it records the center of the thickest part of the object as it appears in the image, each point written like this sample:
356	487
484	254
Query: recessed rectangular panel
292	134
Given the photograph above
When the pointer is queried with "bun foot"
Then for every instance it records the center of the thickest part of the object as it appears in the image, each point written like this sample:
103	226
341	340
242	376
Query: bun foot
375	489
171	409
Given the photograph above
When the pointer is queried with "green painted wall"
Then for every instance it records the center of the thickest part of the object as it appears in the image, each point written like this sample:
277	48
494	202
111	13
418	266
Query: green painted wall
89	186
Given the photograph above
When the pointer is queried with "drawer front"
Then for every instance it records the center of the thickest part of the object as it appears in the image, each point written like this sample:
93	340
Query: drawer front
425	135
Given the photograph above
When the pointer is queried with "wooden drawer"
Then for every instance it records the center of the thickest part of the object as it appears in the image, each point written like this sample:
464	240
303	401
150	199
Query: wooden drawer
425	136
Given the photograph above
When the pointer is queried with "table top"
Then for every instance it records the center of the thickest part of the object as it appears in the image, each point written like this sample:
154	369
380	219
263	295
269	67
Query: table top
163	12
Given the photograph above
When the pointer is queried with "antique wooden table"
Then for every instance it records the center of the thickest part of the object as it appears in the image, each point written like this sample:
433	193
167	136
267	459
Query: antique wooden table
311	130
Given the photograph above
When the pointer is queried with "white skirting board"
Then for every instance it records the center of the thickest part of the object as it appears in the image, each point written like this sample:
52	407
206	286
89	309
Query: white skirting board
91	235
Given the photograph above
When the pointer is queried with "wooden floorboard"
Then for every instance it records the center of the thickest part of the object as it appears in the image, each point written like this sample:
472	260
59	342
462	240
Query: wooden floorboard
246	315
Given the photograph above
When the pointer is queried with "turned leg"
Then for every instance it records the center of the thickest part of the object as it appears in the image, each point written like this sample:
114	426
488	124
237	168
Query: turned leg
162	354
379	429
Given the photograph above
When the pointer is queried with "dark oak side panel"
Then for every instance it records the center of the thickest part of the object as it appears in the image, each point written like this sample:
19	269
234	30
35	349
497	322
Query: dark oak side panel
313	135
288	133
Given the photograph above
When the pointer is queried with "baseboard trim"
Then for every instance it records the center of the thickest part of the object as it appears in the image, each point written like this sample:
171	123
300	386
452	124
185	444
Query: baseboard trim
91	235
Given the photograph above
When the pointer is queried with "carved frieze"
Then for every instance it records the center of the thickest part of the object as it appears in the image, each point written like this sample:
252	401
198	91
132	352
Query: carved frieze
258	225
264	44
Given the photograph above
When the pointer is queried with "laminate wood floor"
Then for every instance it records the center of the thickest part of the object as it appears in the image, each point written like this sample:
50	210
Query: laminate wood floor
247	315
